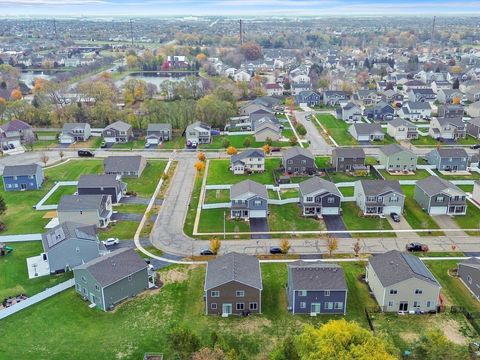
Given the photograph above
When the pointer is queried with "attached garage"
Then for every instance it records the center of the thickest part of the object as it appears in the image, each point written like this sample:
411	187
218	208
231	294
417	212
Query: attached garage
387	210
258	214
152	140
66	139
330	211
438	210
110	140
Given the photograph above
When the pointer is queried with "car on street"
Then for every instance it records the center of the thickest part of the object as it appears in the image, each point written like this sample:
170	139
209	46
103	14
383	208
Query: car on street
275	250
111	241
395	217
206	252
416	247
475	146
85	153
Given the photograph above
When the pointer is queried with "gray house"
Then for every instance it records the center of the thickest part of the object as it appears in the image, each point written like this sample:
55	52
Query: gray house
297	160
85	209
73	132
349	112
319	197
316	288
102	185
332	98
379	197
112	278
198	133
380	112
448	159
450	111
473	128
401	282
438	196
248	161
401	129
118	132
348	159
233	285
469	273
366	132
396	158
22	177
70	244
125	166
157	133
447	128
248	199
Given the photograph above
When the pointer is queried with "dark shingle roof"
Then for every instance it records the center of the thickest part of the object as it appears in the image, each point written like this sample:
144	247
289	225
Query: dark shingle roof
367	129
394	266
397	122
297	150
434	185
122	163
317	184
392	149
114	266
119	125
377	187
356	152
80	202
248	187
15	125
20	170
316	276
233	267
94	181
471	262
159	127
68	230
247	154
452	152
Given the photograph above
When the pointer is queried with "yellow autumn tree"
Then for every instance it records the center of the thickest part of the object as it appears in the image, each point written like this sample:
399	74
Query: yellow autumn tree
199	165
231	150
456	100
215	245
16	94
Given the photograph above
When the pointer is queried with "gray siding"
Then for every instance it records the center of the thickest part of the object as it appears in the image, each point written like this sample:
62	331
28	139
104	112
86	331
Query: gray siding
112	191
71	253
471	277
346	163
88	287
299	164
125	288
319	297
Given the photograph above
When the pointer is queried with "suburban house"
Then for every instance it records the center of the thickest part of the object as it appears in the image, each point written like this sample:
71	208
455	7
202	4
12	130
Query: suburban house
198	133
379	197
401	282
438	196
22	177
248	199
102	185
450	111
332	98
349	112
112	278
469	273
267	127
316	288
251	107
300	87
366	132
297	160
310	98
448	159
85	209
73	132
118	132
473	93
233	285
125	165
248	161
396	158
473	128
319	197
447	128
70	244
393	97
446	96
401	129
415	111
15	133
422	95
365	97
273	89
348	159
380	112
473	109
158	133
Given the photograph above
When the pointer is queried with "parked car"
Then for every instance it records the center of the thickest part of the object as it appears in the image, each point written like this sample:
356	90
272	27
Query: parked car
275	149
395	217
276	250
86	153
416	247
206	252
475	147
111	241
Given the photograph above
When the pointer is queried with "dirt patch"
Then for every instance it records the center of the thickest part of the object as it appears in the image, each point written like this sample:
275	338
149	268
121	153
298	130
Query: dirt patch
451	329
409	337
175	275
253	323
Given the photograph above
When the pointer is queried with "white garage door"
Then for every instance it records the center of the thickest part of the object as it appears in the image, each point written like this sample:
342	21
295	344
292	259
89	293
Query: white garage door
109	139
330	211
363	138
258	214
387	210
66	140
438	210
153	141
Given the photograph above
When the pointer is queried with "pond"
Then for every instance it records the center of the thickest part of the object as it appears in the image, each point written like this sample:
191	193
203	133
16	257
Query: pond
152	78
28	77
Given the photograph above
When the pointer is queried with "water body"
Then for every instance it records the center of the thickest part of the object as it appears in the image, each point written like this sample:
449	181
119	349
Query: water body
152	78
28	77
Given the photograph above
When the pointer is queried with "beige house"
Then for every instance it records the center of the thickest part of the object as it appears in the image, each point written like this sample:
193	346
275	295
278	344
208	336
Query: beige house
85	209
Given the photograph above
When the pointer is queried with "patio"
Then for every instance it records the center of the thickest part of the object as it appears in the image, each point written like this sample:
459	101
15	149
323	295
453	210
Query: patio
37	267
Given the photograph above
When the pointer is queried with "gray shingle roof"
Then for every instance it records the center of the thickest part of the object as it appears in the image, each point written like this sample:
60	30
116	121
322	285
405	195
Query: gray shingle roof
418	105
114	266
397	122
248	187
81	202
119	125
233	267
68	230
316	184
15	125
94	181
20	170
392	149
122	163
247	154
367	129
452	152
434	185
471	262
356	152
475	121
159	127
294	151
316	276
72	126
394	266
378	187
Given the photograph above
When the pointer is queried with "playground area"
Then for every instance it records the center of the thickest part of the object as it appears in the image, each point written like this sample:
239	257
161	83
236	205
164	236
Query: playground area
5	250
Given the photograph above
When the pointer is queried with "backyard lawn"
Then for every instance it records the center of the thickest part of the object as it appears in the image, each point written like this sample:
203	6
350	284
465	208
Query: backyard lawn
338	177
323	162
124	230
289	193
347	191
217	196
219	173
288	218
338	129
419	174
145	185
425	140
54	199
130	208
473	176
355	220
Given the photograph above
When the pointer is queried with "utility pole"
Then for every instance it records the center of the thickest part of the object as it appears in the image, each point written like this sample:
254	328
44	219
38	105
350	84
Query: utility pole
241	31
131	30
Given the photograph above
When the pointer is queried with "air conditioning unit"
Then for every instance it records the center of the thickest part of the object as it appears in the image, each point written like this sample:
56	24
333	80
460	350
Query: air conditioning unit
313	314
225	315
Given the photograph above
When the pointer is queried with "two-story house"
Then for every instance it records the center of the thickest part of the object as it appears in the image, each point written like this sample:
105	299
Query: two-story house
379	197
158	133
447	96
447	128
248	161
233	285
316	288
85	209
297	160
15	133
73	132
380	112
365	97
401	129
349	112
448	159
332	98
438	196
348	159
366	132
450	111
273	89
319	197
248	199
473	128
396	158
117	132
198	133
102	185
469	273
393	97
310	98
401	282
422	95
267	127
415	111
22	177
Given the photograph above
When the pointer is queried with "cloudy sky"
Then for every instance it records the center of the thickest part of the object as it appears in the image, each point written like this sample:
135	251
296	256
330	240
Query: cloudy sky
236	7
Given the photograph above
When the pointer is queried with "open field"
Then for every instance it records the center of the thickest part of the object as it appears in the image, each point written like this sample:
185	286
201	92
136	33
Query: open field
289	218
337	129
211	220
145	185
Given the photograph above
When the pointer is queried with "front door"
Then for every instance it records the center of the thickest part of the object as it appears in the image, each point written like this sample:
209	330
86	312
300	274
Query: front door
403	306
23	186
315	308
227	309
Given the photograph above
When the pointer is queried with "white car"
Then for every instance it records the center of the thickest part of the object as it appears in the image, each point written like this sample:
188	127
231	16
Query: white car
110	241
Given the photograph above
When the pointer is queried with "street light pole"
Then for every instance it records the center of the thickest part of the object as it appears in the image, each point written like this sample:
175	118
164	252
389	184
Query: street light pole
224	225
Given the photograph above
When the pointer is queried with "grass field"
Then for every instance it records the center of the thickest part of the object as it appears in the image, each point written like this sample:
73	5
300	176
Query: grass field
131	208
238	141
219	173
192	206
217	196
473	176
124	230
54	199
145	185
347	191
354	220
338	129
344	177
323	162
425	140
211	220
471	220
288	217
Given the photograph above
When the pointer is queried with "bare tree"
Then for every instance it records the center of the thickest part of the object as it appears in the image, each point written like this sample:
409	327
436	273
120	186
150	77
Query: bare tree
44	158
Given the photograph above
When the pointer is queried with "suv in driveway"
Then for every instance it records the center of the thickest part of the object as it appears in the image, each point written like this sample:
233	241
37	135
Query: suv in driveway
395	217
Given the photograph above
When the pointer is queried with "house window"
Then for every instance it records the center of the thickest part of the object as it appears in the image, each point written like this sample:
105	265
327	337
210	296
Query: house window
213	306
78	287
240	293
215	293
326	293
97	287
303	305
393	291
394	199
418	291
304	162
77	249
258	202
390	303
253	306
240	306
338	306
328	305
440	199
416	304
289	161
331	200
469	279
84	280
429	303
302	293
130	278
309	199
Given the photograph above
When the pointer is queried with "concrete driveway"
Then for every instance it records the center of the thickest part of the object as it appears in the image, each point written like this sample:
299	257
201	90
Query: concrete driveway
335	223
447	222
402	225
259	225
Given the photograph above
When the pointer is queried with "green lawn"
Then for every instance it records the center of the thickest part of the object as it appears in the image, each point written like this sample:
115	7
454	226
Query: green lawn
466	188
473	176
217	196
419	219
145	185
124	230
425	140
289	194
323	162
237	141
289	217
177	142
131	208
14	276
219	173
134	144
419	174
347	191
54	199
355	220
469	221
272	194
344	177
44	144
192	206
211	220
338	129
469	140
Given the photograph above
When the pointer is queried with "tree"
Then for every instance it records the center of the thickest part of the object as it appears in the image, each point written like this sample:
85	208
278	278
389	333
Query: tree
209	354
183	342
434	345
456	84
215	245
301	129
251	51
44	158
285	246
332	245
341	339
213	111
16	94
247	142
269	141
266	149
3	206
286	351
132	61
201	156
199	165
231	150
293	140
225	142
357	247
456	100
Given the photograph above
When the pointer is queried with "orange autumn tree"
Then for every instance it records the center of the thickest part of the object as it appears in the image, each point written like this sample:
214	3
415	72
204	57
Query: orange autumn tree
231	150
16	94
201	156
199	165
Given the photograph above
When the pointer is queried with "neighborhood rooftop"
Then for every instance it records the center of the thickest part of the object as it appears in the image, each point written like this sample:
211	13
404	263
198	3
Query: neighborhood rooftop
317	276
20	170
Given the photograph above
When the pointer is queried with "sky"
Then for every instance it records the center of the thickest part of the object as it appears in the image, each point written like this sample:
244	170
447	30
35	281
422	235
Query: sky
235	7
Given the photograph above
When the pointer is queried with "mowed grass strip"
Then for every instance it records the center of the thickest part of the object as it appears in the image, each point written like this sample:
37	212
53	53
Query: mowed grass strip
355	220
219	173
